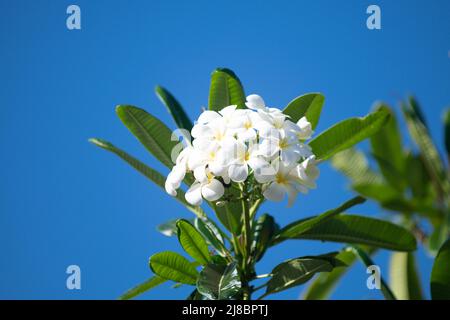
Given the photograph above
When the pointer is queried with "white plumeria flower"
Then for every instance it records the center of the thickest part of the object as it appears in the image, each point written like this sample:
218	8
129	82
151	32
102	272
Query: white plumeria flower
286	181
210	189
232	144
240	157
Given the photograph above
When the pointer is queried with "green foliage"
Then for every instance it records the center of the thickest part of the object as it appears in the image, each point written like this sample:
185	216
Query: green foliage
440	275
219	282
308	105
347	133
172	266
404	279
225	262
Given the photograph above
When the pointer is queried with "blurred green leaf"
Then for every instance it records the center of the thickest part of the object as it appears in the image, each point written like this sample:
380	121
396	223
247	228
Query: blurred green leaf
143	287
150	131
193	242
440	275
218	282
354	165
172	266
361	230
150	173
447	132
175	109
404	279
347	133
225	90
212	234
387	149
308	105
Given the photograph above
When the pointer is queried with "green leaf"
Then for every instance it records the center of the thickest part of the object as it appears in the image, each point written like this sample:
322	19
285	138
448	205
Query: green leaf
308	105
447	131
380	192
361	230
148	172
172	266
440	275
212	234
438	237
354	165
365	258
175	109
300	227
297	271
404	279
230	213
168	228
218	282
387	149
348	133
150	131
192	242
323	285
225	90
417	176
143	287
264	230
429	152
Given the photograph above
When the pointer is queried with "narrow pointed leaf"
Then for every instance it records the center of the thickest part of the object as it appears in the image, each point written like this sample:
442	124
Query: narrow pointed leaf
193	242
440	275
365	258
404	280
225	90
308	105
172	266
175	109
297	228
150	131
361	230
148	172
219	282
143	287
347	133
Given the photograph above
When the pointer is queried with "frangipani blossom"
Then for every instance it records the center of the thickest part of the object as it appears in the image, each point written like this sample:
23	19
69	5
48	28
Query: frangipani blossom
234	145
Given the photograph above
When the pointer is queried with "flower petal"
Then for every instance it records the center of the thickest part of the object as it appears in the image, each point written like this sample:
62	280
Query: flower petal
213	190
238	172
274	192
255	102
194	194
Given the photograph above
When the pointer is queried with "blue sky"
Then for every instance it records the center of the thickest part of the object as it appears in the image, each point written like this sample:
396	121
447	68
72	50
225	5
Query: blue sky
65	202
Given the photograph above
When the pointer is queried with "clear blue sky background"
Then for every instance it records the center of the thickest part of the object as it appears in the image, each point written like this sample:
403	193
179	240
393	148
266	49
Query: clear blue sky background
63	201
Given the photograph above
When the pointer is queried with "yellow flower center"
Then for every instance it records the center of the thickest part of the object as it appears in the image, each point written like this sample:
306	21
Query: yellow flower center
247	156
280	179
283	144
247	125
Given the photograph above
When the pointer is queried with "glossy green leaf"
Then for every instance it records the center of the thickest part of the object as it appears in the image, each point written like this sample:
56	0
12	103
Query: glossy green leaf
354	165
219	282
361	230
365	258
440	275
404	279
297	271
263	232
387	149
148	172
143	287
300	227
175	109
193	242
347	133
225	90
212	234
172	266
150	131
308	105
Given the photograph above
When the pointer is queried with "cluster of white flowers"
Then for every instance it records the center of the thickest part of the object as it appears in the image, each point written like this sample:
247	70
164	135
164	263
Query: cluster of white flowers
232	144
